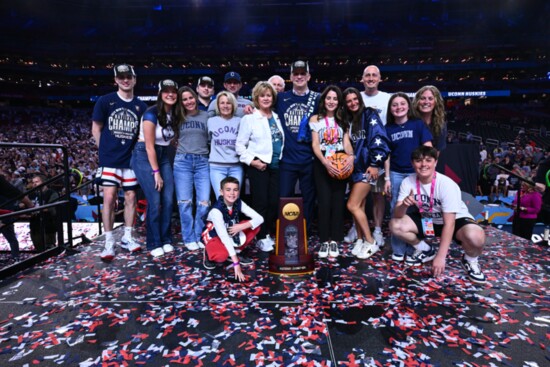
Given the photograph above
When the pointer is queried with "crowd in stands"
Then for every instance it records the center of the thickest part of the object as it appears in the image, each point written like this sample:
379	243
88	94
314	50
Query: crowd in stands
453	69
41	125
522	156
71	127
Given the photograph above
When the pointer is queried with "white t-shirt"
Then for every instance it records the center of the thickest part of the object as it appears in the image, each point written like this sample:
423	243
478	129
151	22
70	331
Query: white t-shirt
331	135
447	197
379	102
502	177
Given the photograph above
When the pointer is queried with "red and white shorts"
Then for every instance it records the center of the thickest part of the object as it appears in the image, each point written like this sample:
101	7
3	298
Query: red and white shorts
120	177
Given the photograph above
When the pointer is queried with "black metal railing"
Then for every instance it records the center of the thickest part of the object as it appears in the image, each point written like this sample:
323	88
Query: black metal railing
63	202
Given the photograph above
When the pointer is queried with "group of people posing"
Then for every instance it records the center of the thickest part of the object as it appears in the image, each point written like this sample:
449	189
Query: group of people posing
384	142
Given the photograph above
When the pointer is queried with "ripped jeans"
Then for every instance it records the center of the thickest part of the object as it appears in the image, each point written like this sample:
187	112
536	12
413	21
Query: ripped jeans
191	171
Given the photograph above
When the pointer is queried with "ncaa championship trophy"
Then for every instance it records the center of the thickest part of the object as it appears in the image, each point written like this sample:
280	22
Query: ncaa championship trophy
291	256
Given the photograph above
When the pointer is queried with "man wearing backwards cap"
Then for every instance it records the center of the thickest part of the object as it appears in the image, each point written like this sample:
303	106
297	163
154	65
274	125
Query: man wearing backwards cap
232	83
115	123
294	108
205	91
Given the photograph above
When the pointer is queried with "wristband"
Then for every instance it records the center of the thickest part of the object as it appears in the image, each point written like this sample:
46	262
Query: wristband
156	171
233	265
386	178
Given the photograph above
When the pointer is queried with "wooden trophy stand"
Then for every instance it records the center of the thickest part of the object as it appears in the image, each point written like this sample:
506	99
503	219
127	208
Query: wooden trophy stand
291	255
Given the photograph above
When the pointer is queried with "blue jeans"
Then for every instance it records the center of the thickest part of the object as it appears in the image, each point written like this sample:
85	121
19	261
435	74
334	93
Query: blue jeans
398	246
290	173
159	204
192	171
219	172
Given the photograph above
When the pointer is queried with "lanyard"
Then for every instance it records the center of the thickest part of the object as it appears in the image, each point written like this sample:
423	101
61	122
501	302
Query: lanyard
331	133
432	190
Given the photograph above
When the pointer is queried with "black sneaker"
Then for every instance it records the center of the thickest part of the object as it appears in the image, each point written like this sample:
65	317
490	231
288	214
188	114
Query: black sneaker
245	260
209	265
420	257
474	271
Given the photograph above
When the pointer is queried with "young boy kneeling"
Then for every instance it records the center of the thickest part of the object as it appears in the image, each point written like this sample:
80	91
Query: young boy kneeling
225	233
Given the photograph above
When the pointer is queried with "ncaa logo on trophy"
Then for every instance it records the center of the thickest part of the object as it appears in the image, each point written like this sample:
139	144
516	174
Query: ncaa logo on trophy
291	256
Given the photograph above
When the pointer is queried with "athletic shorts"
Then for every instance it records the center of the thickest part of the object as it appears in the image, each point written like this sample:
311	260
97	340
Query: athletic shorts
120	177
362	177
459	223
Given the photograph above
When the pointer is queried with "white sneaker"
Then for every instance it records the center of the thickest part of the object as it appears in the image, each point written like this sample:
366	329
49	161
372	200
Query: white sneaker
167	248
379	238
333	249
357	247
368	250
323	250
130	244
192	246
158	252
352	234
397	257
267	244
108	253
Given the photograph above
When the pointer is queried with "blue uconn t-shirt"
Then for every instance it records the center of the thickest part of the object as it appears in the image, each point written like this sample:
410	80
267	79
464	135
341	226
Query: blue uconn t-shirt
120	121
291	108
404	139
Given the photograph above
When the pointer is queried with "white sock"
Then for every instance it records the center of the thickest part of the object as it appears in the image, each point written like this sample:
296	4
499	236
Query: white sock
109	236
422	246
378	229
470	259
128	232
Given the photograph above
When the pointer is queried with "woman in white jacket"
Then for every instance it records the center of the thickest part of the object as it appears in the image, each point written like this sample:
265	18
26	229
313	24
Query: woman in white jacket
260	143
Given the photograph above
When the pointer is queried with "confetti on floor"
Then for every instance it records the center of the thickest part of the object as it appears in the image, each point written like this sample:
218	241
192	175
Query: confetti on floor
78	311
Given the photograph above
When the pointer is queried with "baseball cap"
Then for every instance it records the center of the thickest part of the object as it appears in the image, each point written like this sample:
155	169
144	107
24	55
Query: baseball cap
299	64
205	80
124	69
166	84
232	75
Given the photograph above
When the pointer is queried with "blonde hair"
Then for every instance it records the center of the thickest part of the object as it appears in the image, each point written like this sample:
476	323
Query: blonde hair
260	88
230	97
438	114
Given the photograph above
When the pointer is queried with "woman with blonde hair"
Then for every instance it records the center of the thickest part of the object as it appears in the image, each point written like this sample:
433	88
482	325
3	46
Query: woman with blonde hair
260	145
530	205
429	106
222	132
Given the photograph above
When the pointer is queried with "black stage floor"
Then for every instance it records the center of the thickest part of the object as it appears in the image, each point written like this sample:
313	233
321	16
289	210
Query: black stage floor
77	311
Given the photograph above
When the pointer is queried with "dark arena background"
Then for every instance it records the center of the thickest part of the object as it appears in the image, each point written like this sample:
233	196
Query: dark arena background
62	305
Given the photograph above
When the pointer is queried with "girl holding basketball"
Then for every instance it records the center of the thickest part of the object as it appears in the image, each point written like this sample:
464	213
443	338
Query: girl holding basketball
370	145
330	139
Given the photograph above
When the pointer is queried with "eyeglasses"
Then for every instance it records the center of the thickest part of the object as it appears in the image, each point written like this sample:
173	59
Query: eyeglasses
125	77
206	85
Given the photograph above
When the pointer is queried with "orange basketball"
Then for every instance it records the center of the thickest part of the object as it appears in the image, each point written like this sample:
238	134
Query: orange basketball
339	160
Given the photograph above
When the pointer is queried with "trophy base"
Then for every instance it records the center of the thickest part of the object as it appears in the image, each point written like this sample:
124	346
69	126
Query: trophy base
280	265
